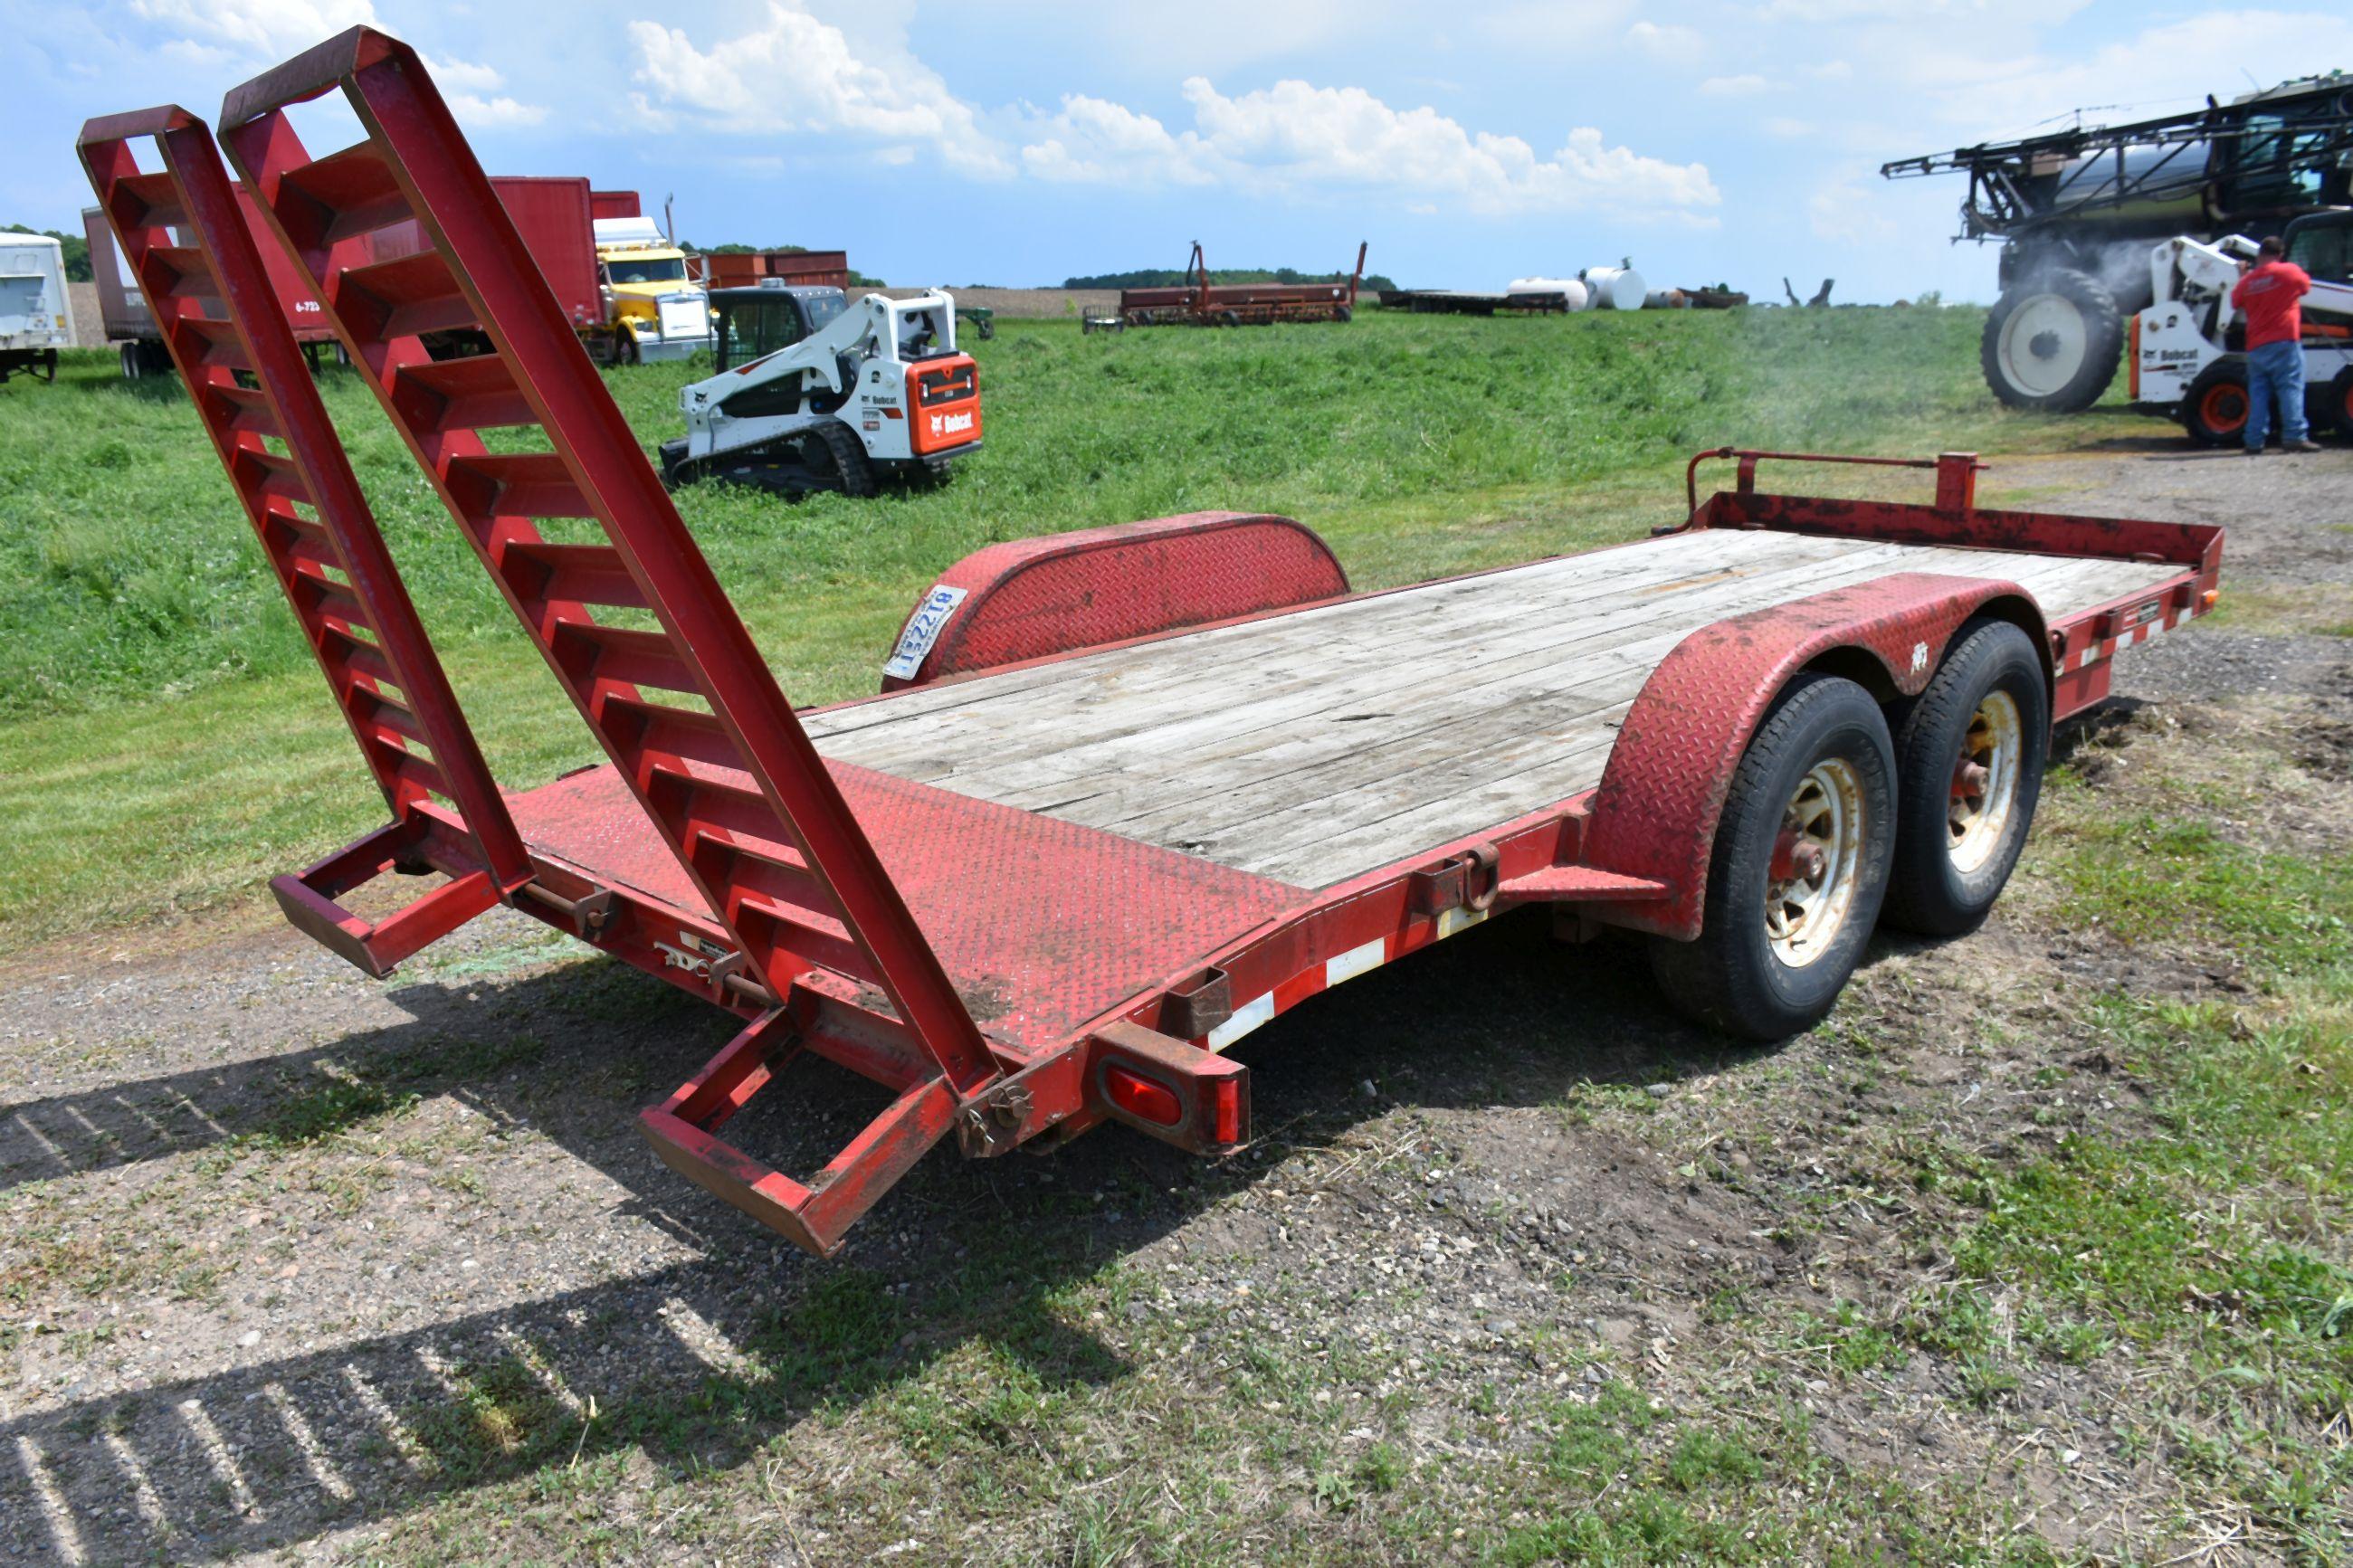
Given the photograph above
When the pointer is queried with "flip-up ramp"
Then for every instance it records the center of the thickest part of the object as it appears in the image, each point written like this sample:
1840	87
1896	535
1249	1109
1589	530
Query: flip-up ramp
686	706
196	260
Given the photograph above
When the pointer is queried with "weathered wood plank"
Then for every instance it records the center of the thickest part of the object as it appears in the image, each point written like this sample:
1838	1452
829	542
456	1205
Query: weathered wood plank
1316	746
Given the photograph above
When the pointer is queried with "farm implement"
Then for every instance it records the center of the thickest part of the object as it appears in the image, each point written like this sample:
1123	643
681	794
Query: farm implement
1130	794
1197	302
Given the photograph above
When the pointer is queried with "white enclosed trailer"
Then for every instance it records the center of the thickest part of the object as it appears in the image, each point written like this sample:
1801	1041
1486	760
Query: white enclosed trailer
35	315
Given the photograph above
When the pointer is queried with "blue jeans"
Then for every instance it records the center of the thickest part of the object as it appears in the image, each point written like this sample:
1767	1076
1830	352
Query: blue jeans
2275	370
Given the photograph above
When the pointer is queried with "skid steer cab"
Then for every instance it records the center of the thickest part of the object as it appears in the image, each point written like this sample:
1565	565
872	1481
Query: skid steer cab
818	392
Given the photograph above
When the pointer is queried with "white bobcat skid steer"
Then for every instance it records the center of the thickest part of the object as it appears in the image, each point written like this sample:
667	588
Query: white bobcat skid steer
2186	362
815	392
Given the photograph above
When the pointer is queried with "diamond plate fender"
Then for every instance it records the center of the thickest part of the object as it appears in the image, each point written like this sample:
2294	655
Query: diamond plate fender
1033	598
1655	812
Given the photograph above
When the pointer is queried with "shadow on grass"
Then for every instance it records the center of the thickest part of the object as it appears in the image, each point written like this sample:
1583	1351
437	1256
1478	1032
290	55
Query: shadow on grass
706	1363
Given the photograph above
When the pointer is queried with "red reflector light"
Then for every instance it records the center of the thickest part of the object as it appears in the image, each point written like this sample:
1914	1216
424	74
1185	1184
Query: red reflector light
1226	1110
1142	1097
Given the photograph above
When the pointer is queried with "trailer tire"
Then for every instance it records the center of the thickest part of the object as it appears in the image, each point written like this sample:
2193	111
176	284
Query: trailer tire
1986	707
1343	314
2214	409
1773	954
2052	343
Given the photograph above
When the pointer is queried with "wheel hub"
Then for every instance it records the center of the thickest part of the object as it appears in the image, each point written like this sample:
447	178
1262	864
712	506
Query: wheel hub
1985	782
1810	888
2043	343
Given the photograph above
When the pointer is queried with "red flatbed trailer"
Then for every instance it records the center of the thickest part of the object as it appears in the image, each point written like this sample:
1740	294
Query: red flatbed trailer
1139	791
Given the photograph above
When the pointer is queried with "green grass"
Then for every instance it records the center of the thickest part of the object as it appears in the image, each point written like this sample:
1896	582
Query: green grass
168	745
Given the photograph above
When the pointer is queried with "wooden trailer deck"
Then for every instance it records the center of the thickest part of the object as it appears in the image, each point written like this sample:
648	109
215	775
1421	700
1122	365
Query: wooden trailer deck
1070	832
1313	746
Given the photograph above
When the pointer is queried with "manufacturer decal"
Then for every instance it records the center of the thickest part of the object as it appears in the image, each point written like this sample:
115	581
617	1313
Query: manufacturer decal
923	629
1919	656
951	424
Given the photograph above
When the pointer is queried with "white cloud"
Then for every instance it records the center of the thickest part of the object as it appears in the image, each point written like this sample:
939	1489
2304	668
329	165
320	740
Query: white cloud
1669	41
794	72
1297	135
2028	13
1543	25
271	28
478	113
1093	141
472	91
1743	85
2162	67
1847	210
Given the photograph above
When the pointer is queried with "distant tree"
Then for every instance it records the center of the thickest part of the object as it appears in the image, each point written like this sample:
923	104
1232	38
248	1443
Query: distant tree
734	247
1170	276
75	250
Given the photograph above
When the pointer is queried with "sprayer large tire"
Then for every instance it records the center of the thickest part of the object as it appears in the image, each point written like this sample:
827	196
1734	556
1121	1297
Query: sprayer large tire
2052	343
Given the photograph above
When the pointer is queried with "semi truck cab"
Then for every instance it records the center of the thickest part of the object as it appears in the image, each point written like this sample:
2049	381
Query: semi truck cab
655	309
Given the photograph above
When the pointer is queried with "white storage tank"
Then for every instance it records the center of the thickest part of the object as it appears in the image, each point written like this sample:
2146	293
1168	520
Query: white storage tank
1569	288
1616	287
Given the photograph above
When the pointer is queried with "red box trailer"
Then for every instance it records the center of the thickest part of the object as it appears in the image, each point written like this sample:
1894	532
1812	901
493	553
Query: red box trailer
1143	789
122	305
743	269
615	203
552	215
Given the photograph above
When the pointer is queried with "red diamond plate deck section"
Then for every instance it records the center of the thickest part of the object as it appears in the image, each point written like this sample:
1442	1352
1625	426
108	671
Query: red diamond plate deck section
1029	598
1654	816
1043	926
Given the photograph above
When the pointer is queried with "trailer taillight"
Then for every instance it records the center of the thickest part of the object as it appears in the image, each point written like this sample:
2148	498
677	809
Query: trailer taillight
1139	1096
1226	1110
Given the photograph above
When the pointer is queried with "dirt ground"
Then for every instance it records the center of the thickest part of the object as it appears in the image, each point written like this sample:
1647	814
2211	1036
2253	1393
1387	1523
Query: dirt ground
300	1265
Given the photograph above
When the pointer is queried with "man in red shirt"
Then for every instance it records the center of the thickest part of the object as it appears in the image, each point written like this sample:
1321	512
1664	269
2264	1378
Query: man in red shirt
2270	294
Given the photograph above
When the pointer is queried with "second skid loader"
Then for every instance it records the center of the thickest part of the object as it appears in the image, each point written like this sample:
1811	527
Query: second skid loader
817	392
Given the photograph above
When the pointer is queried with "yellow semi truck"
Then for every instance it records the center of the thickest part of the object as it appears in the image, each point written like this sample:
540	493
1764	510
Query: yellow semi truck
654	307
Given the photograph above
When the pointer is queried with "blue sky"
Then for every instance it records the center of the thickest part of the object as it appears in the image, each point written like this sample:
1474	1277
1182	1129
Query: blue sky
1022	141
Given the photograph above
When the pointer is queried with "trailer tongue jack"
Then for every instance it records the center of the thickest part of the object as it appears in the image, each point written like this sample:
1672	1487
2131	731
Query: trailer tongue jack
1133	792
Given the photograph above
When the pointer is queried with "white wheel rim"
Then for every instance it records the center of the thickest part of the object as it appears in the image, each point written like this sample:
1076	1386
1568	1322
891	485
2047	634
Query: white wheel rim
1985	782
2043	343
1803	915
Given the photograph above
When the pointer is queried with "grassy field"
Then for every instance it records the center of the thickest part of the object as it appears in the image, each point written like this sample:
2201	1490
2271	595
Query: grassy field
2034	1253
167	745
